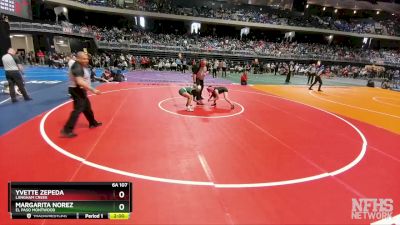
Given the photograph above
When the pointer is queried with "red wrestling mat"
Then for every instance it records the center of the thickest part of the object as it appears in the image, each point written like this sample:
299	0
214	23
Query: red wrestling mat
268	161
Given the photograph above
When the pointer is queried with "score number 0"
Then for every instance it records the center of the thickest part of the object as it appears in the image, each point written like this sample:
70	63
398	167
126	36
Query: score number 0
121	194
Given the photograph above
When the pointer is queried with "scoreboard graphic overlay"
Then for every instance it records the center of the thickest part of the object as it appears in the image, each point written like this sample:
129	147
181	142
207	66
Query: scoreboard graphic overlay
78	200
20	8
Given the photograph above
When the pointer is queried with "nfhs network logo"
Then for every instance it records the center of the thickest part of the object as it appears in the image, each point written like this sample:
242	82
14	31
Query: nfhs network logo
371	208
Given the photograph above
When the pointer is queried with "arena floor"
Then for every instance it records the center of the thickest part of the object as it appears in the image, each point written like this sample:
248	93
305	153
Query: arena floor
284	155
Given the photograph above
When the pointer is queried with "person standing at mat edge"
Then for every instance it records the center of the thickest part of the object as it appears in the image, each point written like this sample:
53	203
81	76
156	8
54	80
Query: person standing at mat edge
318	79
13	69
80	83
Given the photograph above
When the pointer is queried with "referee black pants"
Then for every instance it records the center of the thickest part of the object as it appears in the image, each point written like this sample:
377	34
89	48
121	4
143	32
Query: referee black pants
317	79
288	75
201	83
15	78
81	105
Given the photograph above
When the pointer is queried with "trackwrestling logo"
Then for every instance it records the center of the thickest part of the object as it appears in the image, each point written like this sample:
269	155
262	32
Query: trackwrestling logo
371	208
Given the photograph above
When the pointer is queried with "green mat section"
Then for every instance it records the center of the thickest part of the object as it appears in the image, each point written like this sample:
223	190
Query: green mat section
272	79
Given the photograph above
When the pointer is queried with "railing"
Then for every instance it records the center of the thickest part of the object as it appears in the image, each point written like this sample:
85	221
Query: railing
48	28
233	53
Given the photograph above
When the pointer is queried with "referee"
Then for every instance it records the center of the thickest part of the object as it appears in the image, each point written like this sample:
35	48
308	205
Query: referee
13	68
80	83
318	79
199	74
